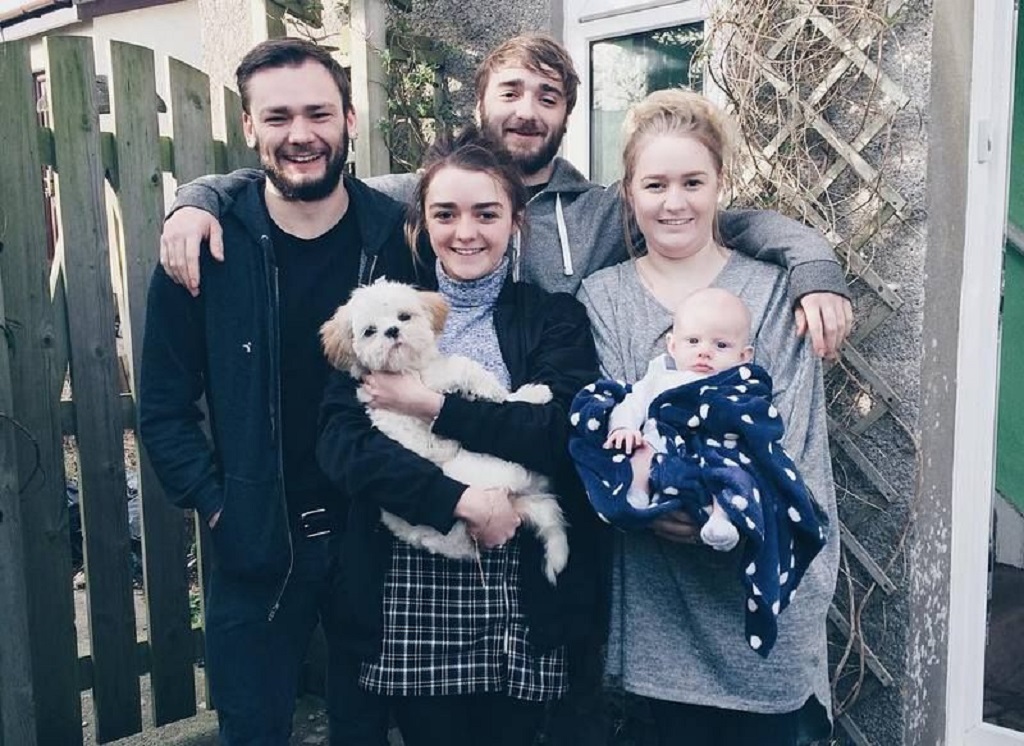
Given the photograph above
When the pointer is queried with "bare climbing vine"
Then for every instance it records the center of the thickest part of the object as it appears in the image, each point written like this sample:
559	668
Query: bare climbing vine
805	81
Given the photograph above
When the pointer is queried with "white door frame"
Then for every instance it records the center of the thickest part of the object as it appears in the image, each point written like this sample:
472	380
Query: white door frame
978	374
582	29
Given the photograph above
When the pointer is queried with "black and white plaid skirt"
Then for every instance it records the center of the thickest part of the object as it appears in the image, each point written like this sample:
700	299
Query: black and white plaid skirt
456	627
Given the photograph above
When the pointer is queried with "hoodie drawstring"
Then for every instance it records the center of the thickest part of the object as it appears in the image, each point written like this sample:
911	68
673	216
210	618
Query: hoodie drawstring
563	241
563	237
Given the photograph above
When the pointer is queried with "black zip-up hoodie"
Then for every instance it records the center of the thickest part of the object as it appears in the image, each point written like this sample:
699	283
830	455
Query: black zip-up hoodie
224	344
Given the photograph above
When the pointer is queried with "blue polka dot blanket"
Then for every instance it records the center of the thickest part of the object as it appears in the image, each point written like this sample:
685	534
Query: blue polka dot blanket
722	437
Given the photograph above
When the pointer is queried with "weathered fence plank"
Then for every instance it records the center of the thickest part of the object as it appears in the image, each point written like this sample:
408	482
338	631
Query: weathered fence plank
34	362
141	198
94	375
239	154
192	122
17	711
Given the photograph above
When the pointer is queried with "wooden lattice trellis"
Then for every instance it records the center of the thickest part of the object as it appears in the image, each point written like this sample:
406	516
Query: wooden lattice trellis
804	79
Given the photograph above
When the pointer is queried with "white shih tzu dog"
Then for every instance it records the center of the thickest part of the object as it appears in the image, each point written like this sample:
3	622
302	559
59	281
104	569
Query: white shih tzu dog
389	326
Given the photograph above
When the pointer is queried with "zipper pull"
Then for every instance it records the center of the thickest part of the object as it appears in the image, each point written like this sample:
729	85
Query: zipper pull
479	563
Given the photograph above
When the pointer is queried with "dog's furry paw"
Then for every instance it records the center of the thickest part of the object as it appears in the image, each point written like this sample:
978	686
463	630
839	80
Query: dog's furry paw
455	544
531	393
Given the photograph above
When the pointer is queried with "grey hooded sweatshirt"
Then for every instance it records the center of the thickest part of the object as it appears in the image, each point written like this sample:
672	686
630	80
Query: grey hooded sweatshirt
582	222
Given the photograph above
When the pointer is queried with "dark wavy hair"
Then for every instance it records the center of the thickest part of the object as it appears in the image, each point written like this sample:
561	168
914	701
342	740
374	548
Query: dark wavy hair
289	52
469	150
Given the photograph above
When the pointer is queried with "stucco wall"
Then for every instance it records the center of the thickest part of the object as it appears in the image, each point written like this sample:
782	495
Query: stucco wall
898	254
228	31
170	30
925	695
471	29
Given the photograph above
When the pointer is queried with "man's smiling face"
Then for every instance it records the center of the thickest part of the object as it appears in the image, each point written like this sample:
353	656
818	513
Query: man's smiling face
526	111
297	124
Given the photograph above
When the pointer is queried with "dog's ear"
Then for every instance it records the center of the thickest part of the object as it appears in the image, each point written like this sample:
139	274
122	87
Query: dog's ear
437	308
336	335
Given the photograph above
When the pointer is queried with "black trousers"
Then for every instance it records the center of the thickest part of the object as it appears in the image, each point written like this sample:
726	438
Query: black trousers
253	664
694	725
581	718
468	720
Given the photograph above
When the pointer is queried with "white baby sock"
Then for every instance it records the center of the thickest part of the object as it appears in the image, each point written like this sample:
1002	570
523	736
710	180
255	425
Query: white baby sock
719	533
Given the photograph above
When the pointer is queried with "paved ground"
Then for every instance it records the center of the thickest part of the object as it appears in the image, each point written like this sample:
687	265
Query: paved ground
1004	678
201	730
310	725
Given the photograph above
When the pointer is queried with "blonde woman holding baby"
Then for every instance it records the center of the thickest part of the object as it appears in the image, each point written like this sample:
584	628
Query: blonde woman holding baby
677	630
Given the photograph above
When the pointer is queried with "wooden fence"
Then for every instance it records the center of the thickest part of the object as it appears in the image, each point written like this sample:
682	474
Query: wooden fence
110	202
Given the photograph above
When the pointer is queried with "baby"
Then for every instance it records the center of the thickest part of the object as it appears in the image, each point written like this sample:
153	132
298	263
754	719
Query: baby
710	333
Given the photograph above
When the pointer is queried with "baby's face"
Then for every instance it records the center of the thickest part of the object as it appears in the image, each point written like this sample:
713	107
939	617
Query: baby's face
707	338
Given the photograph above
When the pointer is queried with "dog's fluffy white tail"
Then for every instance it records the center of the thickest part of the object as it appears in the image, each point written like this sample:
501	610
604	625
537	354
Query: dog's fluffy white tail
544	515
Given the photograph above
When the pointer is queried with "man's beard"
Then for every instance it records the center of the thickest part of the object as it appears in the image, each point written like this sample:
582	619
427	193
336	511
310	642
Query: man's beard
309	191
531	163
528	163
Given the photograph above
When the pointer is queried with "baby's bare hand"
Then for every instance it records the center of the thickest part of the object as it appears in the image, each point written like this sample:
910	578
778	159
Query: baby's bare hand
623	439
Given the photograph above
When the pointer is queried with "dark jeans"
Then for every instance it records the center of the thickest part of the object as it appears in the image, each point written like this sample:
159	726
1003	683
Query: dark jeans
694	725
581	718
253	664
468	720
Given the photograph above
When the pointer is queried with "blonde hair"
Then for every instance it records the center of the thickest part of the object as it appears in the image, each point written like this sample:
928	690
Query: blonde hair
679	112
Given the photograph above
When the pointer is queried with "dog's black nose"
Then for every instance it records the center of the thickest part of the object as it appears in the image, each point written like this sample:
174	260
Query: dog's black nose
392	332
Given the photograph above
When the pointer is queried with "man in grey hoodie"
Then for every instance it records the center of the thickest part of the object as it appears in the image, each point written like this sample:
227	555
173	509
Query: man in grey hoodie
526	89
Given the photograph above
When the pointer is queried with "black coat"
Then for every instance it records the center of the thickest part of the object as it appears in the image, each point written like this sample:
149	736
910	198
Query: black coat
544	338
224	345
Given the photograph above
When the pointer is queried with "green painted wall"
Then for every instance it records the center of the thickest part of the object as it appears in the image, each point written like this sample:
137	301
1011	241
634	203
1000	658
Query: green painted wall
1010	439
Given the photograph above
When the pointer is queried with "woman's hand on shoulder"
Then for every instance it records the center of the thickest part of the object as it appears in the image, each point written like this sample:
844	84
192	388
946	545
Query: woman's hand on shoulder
676	527
404	393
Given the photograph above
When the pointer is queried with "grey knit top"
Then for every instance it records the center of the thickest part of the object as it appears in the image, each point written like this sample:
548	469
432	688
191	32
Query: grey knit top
469	329
677	614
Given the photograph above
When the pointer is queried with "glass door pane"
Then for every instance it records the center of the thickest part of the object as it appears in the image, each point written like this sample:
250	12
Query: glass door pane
625	69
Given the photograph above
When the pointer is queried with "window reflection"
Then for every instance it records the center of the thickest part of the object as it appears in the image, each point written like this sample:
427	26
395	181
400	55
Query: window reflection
623	71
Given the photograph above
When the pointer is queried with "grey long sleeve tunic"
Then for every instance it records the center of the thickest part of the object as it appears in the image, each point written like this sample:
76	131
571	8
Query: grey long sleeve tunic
677	614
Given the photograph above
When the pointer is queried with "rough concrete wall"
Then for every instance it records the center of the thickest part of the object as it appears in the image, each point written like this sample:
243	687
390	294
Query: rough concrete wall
471	29
228	31
879	612
227	35
925	688
893	350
